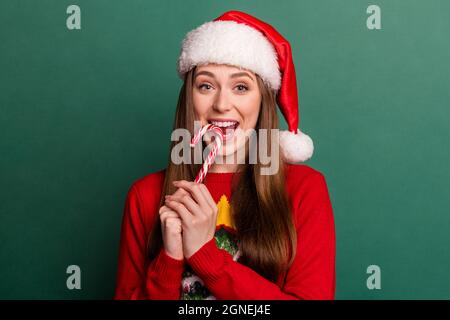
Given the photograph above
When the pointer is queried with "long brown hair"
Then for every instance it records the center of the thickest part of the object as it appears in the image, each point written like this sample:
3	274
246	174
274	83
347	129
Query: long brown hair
259	204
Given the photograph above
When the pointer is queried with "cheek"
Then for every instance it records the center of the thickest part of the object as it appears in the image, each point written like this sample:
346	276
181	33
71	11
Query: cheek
201	104
250	111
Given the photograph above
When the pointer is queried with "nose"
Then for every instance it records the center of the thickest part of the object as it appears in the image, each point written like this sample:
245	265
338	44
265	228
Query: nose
222	103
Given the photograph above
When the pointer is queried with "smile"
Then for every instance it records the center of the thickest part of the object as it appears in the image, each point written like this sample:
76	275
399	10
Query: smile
228	126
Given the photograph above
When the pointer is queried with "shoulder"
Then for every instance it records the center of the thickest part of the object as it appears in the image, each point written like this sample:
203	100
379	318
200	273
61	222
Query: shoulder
149	187
144	195
299	174
307	191
149	182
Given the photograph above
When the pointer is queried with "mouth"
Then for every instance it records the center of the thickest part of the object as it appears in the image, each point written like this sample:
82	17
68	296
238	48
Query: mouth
228	126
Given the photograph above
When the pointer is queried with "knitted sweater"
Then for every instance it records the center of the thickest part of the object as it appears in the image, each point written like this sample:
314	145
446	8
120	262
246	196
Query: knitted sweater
213	271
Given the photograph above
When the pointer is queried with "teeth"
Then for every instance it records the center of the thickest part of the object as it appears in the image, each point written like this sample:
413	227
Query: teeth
223	124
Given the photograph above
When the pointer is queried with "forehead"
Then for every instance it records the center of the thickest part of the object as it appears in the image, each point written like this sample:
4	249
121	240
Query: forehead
221	69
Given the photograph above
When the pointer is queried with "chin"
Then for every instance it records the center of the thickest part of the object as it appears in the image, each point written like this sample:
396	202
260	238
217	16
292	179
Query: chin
227	150
231	146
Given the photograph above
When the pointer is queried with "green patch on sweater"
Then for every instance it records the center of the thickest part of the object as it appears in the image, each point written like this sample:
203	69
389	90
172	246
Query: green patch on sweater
192	286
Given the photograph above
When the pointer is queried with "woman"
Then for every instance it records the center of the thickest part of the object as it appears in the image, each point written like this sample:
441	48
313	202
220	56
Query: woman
240	234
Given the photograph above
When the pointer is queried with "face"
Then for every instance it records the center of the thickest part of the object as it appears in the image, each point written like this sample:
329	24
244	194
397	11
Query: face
228	97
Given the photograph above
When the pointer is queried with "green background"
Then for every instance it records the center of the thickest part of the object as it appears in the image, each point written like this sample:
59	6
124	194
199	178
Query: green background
84	113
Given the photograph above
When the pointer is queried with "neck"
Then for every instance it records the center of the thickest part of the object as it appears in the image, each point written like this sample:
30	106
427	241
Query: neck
228	163
223	168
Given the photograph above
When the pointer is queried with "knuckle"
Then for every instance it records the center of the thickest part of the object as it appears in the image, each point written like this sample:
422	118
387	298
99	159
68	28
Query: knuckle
162	209
163	216
172	223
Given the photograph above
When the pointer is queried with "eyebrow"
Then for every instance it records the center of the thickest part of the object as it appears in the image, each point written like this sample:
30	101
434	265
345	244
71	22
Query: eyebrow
234	75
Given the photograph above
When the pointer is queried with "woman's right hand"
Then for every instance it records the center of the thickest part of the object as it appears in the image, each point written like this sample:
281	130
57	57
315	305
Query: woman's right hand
172	230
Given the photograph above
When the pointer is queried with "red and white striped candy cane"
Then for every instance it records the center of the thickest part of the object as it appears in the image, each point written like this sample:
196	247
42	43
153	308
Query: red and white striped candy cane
212	154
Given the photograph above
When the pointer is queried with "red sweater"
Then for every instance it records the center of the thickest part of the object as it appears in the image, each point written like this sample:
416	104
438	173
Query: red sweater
311	276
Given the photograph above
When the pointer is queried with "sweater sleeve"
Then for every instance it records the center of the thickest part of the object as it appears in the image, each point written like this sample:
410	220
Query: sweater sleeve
312	274
136	278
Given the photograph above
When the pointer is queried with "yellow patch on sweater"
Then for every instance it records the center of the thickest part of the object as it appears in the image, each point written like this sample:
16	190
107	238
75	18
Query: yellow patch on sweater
224	213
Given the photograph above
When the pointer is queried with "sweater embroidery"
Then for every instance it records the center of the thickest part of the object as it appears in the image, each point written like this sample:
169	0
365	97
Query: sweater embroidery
192	286
311	276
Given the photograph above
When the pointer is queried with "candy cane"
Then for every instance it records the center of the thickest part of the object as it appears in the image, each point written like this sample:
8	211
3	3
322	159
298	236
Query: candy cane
212	154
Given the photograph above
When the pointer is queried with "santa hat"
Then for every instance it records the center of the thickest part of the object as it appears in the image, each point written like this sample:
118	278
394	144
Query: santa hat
239	39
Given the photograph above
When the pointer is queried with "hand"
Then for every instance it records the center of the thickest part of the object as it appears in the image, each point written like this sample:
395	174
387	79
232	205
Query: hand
198	213
172	230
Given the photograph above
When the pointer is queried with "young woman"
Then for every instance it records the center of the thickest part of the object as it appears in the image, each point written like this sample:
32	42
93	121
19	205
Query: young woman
240	234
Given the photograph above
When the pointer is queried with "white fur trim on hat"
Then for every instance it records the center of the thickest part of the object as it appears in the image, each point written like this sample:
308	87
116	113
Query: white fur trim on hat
232	43
296	147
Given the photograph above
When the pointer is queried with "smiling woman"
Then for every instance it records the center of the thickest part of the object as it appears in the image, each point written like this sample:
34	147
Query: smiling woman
240	234
230	99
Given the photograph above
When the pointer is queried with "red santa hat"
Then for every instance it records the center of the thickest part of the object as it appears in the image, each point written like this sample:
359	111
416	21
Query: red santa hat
239	39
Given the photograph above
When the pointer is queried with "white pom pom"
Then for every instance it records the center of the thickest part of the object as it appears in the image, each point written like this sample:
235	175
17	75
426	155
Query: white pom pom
296	147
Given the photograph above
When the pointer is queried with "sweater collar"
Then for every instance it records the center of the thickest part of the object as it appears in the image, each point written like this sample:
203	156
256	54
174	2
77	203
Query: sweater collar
220	177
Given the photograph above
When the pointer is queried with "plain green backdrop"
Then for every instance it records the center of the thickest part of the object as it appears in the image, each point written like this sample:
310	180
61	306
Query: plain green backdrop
84	113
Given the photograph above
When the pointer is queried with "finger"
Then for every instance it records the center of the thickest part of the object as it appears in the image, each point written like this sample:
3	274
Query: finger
174	224
208	197
189	203
195	190
168	214
185	215
163	209
180	192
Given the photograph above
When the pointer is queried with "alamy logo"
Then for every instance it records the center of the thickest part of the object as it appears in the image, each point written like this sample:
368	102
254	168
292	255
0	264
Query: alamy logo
74	280
259	148
374	20
374	280
74	20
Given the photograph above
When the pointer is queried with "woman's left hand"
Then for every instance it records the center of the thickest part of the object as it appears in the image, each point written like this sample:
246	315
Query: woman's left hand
198	213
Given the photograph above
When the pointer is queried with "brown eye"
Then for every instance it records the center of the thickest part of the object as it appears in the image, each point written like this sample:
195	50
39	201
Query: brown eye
205	86
241	88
